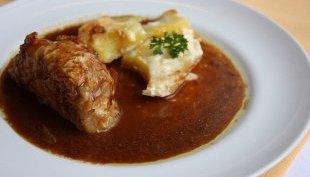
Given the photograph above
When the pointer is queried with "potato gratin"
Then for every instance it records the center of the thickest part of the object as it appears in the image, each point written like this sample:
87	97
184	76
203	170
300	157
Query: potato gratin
130	38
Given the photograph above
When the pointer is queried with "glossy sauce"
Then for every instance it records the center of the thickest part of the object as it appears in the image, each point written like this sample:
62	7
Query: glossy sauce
149	129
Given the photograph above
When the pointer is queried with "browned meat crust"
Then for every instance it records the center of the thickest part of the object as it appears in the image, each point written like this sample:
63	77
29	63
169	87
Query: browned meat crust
68	77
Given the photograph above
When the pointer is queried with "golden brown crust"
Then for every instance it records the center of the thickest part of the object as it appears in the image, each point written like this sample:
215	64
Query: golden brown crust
67	76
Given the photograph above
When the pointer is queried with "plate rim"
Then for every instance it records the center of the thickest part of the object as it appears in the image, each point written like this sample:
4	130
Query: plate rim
298	139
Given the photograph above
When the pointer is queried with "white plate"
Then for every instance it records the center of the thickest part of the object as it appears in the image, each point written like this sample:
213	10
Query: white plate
276	69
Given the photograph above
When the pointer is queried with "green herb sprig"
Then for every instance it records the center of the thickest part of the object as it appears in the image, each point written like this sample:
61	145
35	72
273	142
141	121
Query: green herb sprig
173	42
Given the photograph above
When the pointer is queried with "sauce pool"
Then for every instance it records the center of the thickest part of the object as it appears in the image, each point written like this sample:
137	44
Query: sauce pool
149	128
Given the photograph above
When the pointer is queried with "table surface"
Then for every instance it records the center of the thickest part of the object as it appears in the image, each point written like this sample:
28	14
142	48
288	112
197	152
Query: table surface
294	16
300	166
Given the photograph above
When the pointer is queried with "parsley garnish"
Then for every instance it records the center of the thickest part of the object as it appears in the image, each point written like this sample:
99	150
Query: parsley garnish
173	42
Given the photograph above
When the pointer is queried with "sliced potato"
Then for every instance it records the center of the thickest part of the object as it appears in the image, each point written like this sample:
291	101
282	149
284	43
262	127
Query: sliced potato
163	73
110	36
167	22
108	46
113	37
126	18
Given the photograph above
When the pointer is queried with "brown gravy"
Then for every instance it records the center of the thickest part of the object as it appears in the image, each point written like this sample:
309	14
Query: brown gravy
149	129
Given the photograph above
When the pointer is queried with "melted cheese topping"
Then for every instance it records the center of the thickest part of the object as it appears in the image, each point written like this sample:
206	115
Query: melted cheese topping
163	73
116	35
126	37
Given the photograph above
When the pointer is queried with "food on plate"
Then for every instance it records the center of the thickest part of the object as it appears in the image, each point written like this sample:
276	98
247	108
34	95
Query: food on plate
163	50
164	73
111	36
169	21
67	76
93	74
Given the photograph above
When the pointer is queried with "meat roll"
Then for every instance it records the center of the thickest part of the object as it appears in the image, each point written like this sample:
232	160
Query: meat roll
68	77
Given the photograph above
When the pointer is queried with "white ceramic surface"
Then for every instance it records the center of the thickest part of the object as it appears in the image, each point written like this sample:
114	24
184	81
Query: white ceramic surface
275	67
